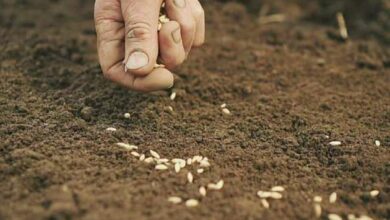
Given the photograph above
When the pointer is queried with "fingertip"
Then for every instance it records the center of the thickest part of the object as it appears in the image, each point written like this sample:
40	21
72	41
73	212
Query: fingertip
158	79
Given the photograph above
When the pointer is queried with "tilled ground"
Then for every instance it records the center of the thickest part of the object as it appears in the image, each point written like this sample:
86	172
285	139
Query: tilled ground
291	89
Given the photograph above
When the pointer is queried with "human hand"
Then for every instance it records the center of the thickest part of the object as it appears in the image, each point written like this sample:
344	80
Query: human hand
129	42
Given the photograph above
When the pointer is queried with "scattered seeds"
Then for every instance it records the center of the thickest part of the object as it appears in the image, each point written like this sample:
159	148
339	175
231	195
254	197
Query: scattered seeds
335	143
154	154
127	146
377	143
334	217
333	197
127	115
201	170
317	199
173	96
202	191
192	203
223	105
216	186
161	167
177	167
277	189
149	160
135	154
190	177
374	193
110	129
317	210
265	203
226	111
142	157
175	199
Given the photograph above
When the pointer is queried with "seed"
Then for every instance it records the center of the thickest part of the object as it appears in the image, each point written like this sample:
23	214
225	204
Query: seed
142	157
190	177
374	193
265	203
162	160
126	115
335	143
277	189
276	195
226	111
317	199
263	194
135	154
317	210
223	105
204	163
161	167
170	108
174	199
197	158
216	186
202	191
173	96
181	162
377	143
149	160
177	167
334	217
110	129
127	146
364	217
351	217
154	154
333	197
192	203
189	161
201	170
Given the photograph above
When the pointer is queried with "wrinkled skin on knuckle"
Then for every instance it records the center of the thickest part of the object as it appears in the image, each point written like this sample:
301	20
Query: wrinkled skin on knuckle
198	12
138	31
188	27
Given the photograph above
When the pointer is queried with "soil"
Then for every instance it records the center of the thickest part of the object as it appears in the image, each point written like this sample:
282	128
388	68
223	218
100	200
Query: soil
291	87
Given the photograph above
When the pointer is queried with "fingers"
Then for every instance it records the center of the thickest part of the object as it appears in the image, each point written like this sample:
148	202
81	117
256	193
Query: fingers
180	11
172	51
141	40
199	16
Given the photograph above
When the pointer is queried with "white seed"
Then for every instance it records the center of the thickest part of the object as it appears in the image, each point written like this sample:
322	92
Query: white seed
334	217
223	105
149	160
202	191
216	186
377	143
161	167
170	108
335	143
277	189
364	217
265	203
201	170
374	193
276	195
173	96
204	163
142	157
317	210
317	199
263	194
127	115
189	161
197	158
190	177
175	199
351	217
192	203
110	129
162	160
135	154
154	154
177	167
333	197
127	146
226	111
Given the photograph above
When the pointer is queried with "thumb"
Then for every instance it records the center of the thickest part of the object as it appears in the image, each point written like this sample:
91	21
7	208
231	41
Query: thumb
141	40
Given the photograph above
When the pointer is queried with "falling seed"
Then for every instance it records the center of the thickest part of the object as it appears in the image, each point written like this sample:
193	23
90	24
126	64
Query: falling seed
374	193
334	217
161	167
189	161
216	186
127	146
202	191
342	25
126	115
317	199
223	105
265	203
333	197
173	96
175	199
110	129
226	111
277	189
135	154
149	160
190	177
317	210
335	143
154	154
263	194
177	167
192	203
377	143
201	170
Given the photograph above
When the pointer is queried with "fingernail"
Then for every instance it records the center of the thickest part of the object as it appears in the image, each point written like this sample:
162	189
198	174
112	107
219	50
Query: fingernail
176	35
137	60
180	3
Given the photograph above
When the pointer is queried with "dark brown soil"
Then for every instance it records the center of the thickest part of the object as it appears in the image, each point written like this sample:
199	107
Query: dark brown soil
291	87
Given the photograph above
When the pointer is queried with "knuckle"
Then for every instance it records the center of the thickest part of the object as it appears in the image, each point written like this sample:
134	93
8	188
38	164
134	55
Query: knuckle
188	26
198	12
138	31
